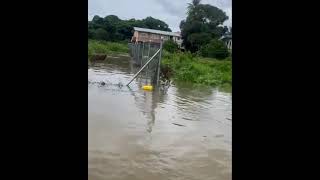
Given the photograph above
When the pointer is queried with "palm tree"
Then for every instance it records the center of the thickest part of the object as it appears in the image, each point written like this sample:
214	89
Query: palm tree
193	5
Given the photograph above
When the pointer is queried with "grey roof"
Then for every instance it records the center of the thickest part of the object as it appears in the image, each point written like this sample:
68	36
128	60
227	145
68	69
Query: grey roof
156	31
227	36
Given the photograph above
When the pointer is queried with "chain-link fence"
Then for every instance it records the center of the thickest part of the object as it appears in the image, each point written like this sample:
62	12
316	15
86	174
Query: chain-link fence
141	53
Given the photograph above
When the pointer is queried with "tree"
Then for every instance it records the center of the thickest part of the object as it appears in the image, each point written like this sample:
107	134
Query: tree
101	34
97	19
170	46
112	19
153	23
119	30
203	23
191	6
215	49
125	30
197	40
91	33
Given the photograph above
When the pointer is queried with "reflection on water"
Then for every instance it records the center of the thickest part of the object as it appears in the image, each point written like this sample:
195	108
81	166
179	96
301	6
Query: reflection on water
136	134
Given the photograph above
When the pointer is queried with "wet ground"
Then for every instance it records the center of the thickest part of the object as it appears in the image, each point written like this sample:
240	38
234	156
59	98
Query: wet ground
178	133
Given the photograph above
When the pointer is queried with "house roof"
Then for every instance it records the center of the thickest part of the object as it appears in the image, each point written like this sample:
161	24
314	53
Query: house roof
156	31
227	36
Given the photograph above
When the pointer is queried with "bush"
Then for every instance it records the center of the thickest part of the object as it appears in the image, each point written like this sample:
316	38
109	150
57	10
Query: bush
215	49
206	71
170	46
100	34
104	47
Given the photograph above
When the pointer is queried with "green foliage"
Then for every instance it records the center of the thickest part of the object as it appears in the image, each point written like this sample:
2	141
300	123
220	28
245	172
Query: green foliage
90	33
207	71
198	39
203	23
101	34
111	28
170	46
103	47
153	23
215	49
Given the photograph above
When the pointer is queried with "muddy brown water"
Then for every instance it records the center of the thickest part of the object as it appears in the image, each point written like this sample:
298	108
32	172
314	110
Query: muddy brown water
178	133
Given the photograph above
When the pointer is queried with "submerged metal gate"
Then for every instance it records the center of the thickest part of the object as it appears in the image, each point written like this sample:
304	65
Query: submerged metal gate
147	56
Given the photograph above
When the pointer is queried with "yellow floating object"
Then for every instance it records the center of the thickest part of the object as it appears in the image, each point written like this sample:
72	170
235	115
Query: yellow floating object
148	87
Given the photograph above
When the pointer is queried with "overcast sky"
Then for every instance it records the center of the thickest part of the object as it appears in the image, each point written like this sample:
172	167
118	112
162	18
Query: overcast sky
169	11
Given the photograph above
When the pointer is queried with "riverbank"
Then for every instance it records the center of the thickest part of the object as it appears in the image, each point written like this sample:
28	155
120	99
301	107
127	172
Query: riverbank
199	70
179	66
108	48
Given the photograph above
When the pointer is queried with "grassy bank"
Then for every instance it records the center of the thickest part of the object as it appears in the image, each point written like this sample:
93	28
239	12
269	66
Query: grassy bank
109	48
179	66
199	70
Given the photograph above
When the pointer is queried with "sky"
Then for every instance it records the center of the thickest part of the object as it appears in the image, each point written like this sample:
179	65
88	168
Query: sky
169	11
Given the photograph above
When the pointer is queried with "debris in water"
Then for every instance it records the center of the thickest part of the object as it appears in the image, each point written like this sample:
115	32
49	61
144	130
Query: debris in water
120	85
178	124
229	119
147	87
188	119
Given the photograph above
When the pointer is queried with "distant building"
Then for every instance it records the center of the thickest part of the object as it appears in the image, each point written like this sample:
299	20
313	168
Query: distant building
228	40
154	36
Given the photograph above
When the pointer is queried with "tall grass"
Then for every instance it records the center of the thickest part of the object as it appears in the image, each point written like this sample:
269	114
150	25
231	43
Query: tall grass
104	47
195	69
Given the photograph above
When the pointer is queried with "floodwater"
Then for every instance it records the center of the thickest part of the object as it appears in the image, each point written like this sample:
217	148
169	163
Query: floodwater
178	133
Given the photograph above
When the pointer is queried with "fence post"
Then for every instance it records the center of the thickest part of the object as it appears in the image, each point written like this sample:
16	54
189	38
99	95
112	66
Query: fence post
138	49
142	51
159	64
147	69
135	51
149	49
